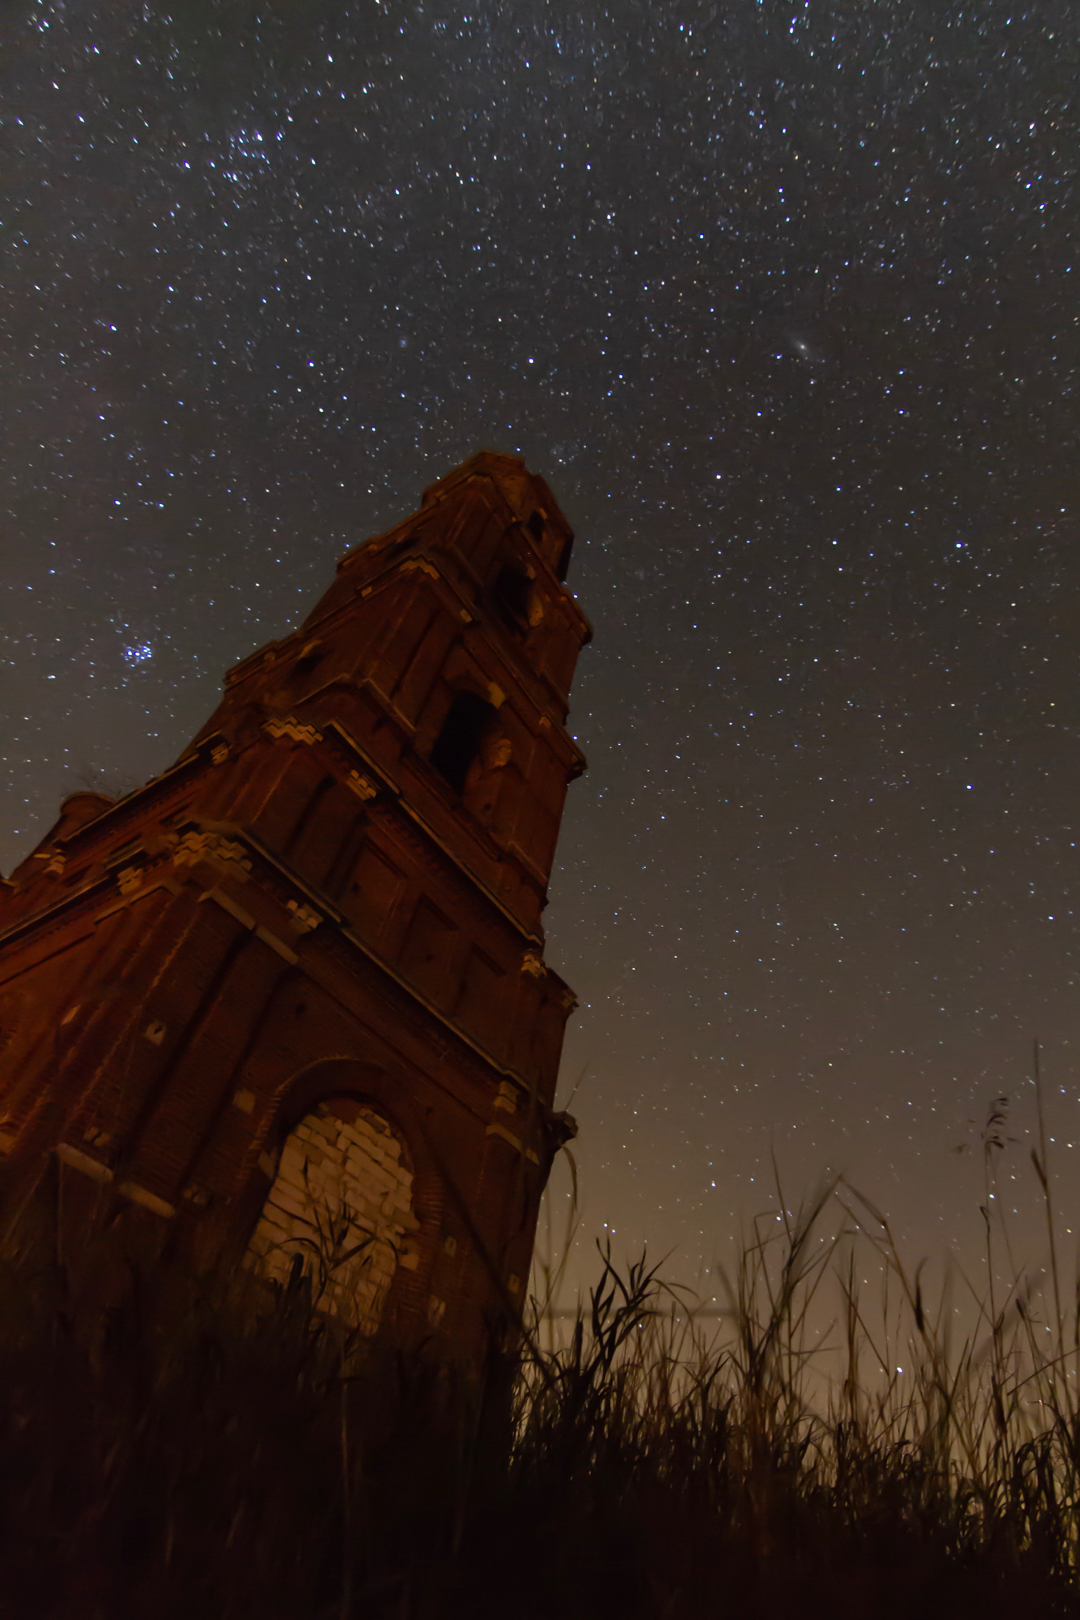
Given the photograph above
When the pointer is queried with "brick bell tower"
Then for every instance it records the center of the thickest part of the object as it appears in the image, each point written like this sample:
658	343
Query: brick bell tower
289	999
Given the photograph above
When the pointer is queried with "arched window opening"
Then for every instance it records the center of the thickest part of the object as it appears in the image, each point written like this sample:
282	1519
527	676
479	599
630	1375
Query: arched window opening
340	1209
309	657
511	594
458	743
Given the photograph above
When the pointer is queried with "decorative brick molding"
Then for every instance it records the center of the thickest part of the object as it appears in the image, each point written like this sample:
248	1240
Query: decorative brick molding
514	1141
506	1097
361	785
76	1159
289	726
194	846
304	918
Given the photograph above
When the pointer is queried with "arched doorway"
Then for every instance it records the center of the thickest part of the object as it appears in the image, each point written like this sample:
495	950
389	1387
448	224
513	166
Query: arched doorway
342	1201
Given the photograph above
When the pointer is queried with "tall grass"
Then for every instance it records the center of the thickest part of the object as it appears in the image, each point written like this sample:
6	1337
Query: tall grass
198	1449
786	1463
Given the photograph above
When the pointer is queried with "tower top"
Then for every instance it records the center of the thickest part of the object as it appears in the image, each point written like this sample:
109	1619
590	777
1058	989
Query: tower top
526	493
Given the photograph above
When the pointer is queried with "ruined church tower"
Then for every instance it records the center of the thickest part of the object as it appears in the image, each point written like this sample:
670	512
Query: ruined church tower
290	998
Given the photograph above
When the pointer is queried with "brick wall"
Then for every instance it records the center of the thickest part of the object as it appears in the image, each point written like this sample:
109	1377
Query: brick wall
342	1199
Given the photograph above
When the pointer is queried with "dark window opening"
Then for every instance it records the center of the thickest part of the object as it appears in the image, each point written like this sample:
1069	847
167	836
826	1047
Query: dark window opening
536	526
310	655
511	595
458	743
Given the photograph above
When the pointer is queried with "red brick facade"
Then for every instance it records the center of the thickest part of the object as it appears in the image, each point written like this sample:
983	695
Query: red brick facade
335	893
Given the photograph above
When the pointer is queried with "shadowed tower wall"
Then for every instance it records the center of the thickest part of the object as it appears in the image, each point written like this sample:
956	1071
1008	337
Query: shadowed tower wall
290	997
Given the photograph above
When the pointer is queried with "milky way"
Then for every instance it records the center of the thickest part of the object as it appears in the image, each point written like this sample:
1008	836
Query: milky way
782	302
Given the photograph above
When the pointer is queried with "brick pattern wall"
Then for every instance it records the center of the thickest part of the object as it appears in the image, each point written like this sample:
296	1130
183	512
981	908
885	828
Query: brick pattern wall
342	1199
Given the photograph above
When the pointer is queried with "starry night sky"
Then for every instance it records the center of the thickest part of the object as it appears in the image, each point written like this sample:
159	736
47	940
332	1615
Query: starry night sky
782	301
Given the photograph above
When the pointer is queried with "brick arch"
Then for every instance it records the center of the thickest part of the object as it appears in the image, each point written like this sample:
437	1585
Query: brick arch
468	718
459	676
370	1087
367	1083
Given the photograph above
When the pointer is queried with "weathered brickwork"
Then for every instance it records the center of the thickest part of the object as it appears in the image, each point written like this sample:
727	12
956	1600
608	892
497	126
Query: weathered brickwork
332	901
342	1202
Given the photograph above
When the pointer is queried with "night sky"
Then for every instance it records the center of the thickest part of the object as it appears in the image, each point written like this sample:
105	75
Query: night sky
782	301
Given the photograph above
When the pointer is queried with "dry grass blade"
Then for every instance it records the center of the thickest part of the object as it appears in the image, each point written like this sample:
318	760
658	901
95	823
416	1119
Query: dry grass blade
222	1452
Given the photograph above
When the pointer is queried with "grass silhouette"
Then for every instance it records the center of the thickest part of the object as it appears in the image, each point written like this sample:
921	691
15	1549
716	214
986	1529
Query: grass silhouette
227	1450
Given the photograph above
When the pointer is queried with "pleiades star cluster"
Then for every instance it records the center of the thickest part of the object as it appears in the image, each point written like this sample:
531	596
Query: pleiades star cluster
782	300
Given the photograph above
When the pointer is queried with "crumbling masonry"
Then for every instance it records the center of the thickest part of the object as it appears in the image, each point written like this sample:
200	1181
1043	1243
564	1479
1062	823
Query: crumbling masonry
286	1006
